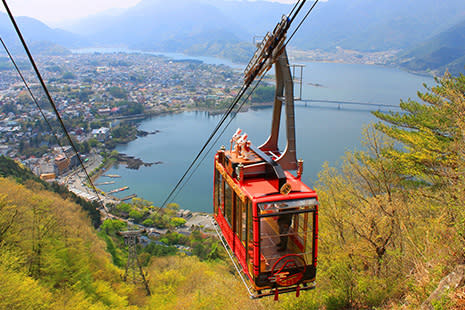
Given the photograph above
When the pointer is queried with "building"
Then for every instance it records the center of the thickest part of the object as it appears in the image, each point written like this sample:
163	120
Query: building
61	164
101	134
48	176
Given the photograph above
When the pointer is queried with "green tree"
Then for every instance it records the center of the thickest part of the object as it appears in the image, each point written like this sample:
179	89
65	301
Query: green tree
392	216
148	222
8	216
118	92
263	94
136	215
68	76
429	132
177	221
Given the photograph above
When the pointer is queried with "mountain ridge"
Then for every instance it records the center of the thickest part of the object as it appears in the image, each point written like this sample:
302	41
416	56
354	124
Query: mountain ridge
444	51
37	33
226	28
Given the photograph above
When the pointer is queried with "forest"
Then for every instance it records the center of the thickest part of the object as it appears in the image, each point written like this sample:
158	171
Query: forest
391	227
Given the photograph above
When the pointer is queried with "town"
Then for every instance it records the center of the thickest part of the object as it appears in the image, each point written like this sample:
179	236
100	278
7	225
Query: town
96	94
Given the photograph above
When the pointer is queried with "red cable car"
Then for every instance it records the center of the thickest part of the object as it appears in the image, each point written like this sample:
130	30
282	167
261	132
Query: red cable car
267	218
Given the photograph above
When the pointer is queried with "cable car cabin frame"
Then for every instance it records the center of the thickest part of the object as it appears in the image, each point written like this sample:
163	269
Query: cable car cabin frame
248	206
266	217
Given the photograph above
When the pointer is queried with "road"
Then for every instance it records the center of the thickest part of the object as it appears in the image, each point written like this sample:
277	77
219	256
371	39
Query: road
76	181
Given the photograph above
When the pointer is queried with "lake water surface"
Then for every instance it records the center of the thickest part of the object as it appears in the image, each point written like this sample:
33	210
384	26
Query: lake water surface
324	131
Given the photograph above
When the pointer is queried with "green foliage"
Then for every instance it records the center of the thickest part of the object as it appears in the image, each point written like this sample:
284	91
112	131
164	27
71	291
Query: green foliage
50	257
391	217
263	94
428	132
160	250
9	168
173	238
136	215
142	211
124	207
116	254
187	283
117	92
148	222
18	291
204	247
177	221
68	76
111	227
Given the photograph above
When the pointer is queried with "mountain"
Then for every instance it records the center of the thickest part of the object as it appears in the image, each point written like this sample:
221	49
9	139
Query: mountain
226	28
445	51
369	25
161	25
364	25
38	34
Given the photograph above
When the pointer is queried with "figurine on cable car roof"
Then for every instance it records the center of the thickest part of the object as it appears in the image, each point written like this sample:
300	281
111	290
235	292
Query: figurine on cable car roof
268	217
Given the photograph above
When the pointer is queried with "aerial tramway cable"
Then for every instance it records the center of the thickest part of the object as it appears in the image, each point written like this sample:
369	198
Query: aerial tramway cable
220	123
297	7
301	22
52	103
34	99
31	94
217	138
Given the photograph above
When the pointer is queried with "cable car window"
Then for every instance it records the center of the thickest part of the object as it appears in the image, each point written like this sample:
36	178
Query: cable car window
228	202
249	236
244	216
221	194
304	236
238	205
286	227
218	184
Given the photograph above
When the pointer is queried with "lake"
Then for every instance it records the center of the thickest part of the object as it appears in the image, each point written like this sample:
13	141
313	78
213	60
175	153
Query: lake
324	131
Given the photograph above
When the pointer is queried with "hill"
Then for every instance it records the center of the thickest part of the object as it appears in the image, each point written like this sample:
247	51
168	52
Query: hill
10	169
42	39
362	25
445	51
366	25
52	258
161	25
226	28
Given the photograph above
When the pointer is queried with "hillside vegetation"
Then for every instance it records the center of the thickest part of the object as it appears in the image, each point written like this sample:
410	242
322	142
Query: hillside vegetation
391	227
52	258
392	217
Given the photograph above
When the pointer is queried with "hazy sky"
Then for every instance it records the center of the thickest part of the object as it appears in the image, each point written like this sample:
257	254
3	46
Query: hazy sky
58	12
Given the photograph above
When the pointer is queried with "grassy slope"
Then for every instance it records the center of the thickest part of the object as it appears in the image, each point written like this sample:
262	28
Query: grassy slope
52	258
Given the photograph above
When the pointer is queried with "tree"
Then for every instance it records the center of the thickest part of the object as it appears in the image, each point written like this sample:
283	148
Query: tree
8	215
431	133
117	92
393	215
177	221
263	94
136	215
68	76
42	229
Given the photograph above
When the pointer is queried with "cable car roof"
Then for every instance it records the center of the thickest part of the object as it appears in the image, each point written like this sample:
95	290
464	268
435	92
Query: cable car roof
267	190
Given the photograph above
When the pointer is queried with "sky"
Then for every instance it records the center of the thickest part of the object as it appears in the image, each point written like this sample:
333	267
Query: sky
55	13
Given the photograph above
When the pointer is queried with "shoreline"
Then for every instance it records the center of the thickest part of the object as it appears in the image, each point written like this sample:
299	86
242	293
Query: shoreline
343	56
